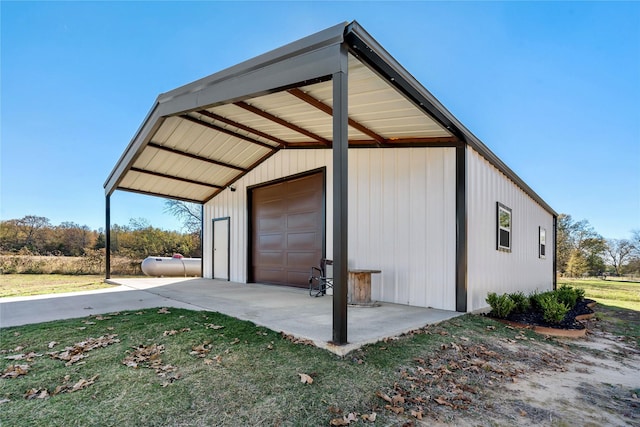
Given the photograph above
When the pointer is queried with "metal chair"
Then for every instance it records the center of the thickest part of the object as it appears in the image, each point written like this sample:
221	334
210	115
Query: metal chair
321	278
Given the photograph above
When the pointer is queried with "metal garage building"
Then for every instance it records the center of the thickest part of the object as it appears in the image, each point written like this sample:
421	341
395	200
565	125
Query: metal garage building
327	147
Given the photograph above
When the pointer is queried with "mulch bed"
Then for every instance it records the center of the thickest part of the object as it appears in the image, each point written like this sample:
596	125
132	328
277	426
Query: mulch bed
535	318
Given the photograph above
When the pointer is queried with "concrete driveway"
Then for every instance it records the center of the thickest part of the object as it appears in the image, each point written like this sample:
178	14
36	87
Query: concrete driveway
283	309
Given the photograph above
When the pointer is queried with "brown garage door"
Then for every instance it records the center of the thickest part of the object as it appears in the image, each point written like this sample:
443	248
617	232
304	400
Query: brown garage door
287	230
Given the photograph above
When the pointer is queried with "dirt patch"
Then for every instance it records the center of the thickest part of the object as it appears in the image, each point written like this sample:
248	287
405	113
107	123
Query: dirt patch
523	381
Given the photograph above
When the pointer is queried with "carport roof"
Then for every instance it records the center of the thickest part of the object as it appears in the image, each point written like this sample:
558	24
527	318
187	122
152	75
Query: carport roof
200	138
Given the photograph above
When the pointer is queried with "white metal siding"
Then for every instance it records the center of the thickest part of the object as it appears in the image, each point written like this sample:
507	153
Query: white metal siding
490	270
401	218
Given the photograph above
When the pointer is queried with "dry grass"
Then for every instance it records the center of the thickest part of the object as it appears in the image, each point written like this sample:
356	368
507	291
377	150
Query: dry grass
12	285
91	264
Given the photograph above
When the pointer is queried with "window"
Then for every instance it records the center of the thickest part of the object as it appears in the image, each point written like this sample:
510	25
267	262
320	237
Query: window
504	228
542	243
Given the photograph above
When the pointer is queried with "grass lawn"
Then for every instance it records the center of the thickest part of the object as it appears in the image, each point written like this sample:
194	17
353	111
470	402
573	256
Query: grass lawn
181	367
12	285
608	292
247	375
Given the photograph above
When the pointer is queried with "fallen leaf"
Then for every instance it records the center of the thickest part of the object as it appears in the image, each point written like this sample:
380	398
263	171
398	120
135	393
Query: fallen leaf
345	420
442	401
82	383
383	396
417	414
4	401
395	409
335	410
208	362
28	357
523	413
397	399
169	333
164	310
200	350
214	326
52	344
32	393
14	371
78	351
305	379
296	340
369	417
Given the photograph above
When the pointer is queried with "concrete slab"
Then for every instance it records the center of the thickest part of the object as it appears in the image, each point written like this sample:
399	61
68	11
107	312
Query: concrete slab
283	309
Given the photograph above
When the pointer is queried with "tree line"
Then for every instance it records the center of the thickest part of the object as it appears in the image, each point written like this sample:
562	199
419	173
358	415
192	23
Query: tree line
35	235
581	251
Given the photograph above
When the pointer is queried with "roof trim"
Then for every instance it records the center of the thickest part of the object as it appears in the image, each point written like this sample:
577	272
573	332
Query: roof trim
310	59
362	45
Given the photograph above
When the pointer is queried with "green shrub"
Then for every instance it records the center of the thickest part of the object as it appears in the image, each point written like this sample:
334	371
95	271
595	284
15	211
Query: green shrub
535	298
501	306
567	295
522	303
553	311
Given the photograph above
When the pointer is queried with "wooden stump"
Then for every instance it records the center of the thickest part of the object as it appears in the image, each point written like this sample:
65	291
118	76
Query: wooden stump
359	291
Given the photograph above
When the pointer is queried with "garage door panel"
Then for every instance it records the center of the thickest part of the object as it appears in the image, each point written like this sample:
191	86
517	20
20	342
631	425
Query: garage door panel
304	202
302	221
267	275
272	207
301	241
288	229
271	259
298	277
298	259
269	242
270	224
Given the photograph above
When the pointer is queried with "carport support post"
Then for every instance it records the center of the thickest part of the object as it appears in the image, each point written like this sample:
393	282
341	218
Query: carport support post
107	234
340	198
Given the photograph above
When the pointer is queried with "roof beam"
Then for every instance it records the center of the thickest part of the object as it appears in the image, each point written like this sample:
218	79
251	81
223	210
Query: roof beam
436	141
282	122
194	156
329	110
166	196
227	131
175	178
230	122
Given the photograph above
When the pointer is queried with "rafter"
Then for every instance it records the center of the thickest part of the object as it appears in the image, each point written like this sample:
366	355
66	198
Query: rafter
175	178
282	122
227	131
438	141
230	122
194	156
329	110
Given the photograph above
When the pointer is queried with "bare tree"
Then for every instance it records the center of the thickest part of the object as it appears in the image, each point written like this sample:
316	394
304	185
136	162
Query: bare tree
189	213
618	251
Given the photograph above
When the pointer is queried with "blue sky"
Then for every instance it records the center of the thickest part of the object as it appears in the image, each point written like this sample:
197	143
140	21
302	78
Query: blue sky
552	88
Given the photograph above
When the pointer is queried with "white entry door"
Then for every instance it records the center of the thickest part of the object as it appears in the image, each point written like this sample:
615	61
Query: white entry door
221	248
